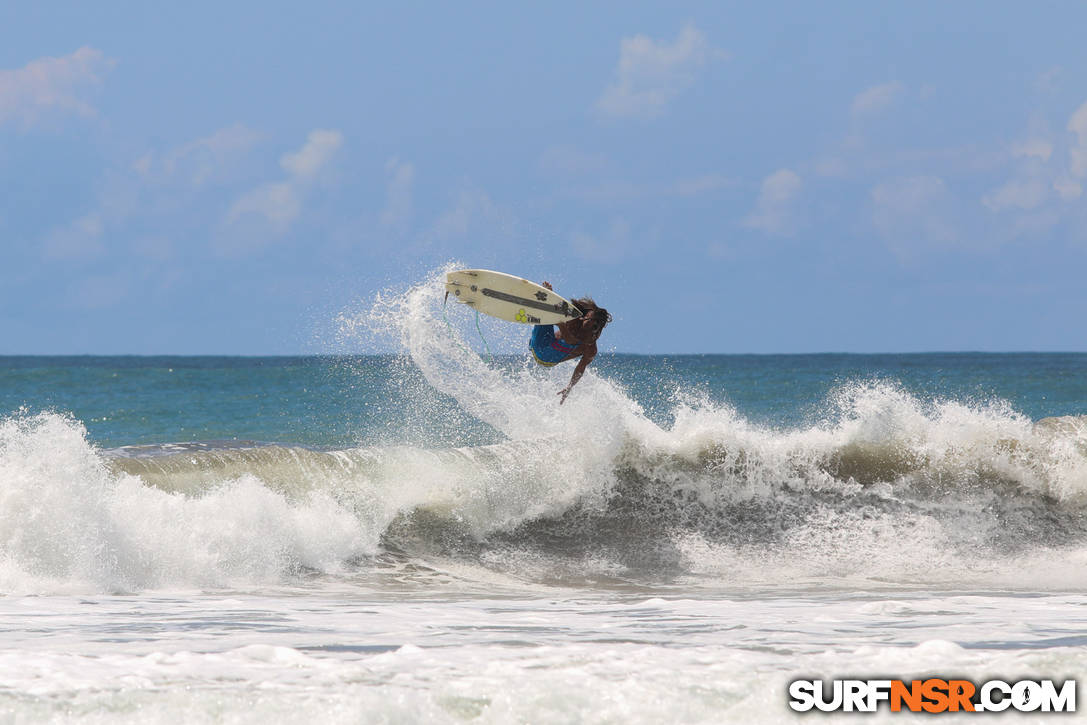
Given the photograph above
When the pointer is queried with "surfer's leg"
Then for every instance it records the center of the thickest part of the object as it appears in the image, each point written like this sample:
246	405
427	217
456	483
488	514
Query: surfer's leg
540	344
541	338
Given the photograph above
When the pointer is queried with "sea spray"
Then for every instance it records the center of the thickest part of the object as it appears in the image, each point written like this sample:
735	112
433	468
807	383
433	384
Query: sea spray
938	486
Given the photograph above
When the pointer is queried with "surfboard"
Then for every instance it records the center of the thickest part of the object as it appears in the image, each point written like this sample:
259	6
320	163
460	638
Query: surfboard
508	297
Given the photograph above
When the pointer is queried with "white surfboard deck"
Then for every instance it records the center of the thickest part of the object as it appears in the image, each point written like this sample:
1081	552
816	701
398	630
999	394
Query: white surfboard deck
508	298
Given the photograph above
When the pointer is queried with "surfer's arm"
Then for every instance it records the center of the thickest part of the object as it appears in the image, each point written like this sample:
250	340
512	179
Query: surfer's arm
578	372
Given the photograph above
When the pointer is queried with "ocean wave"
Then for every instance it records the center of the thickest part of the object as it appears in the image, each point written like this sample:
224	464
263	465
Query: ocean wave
884	487
711	490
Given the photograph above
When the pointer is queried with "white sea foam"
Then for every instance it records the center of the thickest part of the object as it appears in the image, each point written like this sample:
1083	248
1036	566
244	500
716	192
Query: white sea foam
549	658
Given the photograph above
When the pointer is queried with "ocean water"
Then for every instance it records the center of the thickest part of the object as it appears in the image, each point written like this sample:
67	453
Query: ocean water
428	536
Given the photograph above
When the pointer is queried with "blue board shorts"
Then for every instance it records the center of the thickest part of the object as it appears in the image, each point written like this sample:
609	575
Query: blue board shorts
548	349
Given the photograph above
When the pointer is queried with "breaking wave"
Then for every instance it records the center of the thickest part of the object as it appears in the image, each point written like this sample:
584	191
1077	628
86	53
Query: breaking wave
888	490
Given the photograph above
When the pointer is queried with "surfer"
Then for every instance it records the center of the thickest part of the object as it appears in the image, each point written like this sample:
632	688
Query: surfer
575	338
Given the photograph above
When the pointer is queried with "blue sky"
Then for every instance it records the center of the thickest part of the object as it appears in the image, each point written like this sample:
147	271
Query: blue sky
724	177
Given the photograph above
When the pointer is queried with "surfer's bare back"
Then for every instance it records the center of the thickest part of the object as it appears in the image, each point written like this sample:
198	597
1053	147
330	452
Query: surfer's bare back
575	338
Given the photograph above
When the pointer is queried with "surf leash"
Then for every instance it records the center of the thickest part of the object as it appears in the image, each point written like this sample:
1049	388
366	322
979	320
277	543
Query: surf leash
453	334
490	357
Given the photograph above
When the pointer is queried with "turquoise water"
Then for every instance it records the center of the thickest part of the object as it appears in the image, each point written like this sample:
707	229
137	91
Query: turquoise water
331	402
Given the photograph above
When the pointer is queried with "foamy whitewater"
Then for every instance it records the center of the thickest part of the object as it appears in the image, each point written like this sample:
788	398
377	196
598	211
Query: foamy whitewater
430	537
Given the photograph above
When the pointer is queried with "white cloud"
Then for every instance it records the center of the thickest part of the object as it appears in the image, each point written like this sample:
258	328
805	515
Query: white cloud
876	99
720	251
320	147
908	195
398	198
1017	194
80	239
1035	148
651	74
1040	171
1077	124
475	212
612	246
201	160
1049	81
52	85
774	211
1067	189
831	167
279	203
157	186
144	164
913	210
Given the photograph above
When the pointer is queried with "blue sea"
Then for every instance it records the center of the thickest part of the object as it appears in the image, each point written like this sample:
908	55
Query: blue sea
426	535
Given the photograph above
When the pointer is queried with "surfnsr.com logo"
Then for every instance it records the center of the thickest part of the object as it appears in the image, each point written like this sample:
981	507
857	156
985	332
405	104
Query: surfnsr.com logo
933	695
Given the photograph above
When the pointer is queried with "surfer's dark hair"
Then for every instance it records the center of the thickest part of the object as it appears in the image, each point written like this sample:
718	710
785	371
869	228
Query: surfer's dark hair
587	304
